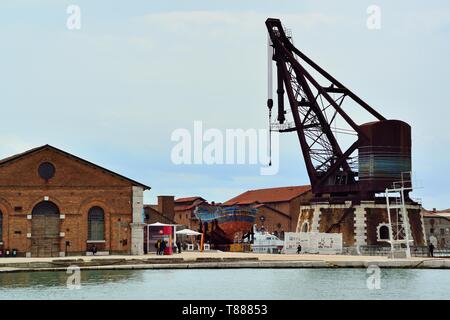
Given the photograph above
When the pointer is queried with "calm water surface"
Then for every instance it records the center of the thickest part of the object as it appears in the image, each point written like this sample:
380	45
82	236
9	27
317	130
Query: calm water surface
229	284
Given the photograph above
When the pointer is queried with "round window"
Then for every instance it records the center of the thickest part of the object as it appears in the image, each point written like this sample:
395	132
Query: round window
46	170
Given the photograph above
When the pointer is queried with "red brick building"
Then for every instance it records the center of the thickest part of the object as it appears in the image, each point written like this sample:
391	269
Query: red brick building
278	208
53	203
184	211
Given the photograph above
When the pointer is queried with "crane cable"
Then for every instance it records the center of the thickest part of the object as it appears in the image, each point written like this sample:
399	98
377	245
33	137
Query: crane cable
270	137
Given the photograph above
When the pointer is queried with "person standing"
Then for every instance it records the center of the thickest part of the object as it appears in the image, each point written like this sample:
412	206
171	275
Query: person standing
158	247
163	246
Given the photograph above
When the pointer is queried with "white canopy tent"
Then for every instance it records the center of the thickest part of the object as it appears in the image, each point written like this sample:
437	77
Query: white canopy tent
159	224
191	233
188	232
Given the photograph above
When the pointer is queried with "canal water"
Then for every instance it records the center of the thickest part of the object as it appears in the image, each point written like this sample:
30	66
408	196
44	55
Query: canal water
230	284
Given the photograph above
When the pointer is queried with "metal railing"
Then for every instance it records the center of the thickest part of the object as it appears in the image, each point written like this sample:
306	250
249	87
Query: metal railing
416	251
425	252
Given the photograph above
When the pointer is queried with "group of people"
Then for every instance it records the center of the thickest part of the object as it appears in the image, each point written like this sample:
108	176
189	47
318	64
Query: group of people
160	245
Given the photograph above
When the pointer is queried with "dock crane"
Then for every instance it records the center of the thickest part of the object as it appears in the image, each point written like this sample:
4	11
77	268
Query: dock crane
383	146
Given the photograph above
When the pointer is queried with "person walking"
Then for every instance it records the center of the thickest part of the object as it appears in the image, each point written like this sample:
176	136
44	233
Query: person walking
179	246
431	249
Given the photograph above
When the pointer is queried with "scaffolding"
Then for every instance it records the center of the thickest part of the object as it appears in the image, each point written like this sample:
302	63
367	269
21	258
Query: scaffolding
399	228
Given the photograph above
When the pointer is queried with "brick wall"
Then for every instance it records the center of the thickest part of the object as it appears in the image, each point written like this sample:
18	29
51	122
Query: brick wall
273	221
186	218
166	206
184	213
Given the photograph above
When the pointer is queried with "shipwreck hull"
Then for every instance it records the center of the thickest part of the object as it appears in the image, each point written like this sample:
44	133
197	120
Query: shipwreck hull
225	225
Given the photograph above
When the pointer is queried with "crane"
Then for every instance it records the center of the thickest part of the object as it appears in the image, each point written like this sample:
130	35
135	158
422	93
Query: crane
317	101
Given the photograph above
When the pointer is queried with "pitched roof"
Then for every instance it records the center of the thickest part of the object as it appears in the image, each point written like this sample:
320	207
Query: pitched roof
188	199
19	155
437	214
49	147
269	195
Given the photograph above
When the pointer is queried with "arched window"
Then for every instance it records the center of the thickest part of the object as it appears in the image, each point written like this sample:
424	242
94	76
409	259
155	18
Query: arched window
96	224
384	232
1	226
45	208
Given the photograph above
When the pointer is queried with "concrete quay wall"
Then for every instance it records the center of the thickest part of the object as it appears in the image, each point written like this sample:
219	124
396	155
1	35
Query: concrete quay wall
219	262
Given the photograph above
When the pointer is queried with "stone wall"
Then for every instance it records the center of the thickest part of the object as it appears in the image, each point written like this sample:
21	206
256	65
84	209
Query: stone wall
360	223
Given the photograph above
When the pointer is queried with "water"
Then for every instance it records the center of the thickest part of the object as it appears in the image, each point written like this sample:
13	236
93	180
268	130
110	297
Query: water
229	284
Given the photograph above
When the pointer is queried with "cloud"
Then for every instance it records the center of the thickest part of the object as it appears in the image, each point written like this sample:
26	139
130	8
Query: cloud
211	21
114	91
426	22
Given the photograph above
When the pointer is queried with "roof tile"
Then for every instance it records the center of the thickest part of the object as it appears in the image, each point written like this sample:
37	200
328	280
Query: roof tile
269	195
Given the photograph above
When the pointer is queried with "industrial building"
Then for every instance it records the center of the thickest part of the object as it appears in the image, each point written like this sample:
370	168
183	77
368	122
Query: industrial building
53	203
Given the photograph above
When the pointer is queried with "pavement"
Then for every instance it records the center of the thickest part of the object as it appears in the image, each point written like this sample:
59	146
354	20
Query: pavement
191	256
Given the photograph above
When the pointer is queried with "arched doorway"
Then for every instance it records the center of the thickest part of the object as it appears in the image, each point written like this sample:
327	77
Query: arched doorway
384	233
45	230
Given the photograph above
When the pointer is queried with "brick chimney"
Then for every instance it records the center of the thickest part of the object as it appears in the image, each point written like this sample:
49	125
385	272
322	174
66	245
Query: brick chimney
166	206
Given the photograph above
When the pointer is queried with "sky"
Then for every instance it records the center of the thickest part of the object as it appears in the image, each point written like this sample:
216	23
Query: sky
115	90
